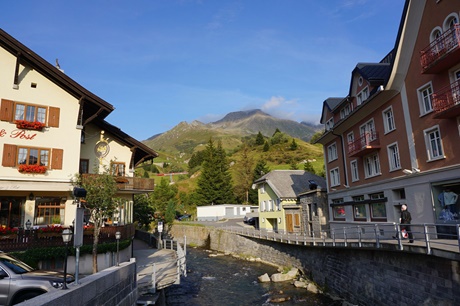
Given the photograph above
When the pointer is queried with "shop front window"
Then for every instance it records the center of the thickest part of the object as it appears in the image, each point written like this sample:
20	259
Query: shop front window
49	211
10	211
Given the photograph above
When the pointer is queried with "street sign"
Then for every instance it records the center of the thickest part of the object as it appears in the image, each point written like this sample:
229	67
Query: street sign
160	226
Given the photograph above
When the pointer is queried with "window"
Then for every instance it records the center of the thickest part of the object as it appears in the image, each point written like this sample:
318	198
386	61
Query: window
354	171
335	177
329	124
371	165
332	152
425	99
30	113
367	133
362	96
345	111
278	207
388	120
433	143
393	157
49	211
338	211
262	188
351	142
118	169
33	156
84	166
360	213
378	209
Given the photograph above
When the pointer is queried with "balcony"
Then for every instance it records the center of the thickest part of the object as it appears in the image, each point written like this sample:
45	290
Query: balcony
364	145
446	101
131	183
441	53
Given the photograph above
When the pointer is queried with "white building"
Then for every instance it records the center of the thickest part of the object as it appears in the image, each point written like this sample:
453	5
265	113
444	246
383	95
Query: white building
224	211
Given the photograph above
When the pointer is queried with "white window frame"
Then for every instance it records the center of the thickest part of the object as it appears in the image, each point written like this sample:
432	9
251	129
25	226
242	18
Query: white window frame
262	188
354	170
332	152
351	141
334	177
425	99
394	160
372	165
345	111
362	96
368	129
433	153
388	120
329	124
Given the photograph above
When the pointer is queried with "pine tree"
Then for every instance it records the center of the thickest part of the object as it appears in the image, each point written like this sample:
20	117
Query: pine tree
215	183
245	175
260	139
266	146
309	167
294	145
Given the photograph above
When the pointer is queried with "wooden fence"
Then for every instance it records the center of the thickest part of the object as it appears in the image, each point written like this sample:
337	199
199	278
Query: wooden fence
27	239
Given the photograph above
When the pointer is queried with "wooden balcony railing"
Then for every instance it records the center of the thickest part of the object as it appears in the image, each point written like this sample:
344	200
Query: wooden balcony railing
442	52
446	101
131	183
29	239
365	144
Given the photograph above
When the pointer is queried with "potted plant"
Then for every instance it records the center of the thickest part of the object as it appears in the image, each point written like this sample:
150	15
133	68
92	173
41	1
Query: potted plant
50	231
32	169
8	232
29	125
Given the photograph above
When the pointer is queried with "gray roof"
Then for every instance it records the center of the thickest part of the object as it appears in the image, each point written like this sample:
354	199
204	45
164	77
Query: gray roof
291	183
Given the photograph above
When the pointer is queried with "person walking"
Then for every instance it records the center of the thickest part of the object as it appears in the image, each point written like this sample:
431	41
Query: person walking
405	220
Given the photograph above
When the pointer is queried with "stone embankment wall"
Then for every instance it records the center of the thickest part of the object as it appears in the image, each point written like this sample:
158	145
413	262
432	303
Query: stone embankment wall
360	276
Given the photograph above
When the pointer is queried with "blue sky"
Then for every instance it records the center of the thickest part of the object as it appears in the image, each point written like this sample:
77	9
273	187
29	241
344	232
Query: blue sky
160	62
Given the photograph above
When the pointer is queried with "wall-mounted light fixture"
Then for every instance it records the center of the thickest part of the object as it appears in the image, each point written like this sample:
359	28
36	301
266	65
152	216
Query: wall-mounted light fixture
31	196
279	220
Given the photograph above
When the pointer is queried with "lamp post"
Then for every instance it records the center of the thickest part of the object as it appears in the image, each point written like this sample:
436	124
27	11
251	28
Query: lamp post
66	237
118	236
28	225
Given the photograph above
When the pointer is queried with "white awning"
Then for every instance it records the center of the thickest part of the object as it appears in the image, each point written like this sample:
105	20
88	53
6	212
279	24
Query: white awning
35	186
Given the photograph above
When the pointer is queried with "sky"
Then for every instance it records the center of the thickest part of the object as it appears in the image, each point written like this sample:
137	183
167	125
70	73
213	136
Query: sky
161	62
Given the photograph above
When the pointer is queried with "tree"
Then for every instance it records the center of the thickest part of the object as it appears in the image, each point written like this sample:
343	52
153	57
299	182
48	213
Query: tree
161	197
215	182
309	167
266	146
260	170
260	139
294	145
143	211
315	137
276	131
101	189
244	171
293	165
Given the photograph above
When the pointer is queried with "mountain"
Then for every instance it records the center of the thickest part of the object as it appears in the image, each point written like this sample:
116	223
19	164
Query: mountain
187	137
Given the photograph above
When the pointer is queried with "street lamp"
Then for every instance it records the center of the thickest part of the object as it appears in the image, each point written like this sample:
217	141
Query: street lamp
66	237
28	225
118	236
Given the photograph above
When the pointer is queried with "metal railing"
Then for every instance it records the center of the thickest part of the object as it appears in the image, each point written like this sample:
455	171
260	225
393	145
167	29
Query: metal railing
377	236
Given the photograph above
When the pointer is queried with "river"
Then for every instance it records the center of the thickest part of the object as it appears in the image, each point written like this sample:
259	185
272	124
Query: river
225	280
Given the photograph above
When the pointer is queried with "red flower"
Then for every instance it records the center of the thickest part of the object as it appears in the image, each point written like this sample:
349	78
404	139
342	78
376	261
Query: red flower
29	125
51	229
7	230
32	169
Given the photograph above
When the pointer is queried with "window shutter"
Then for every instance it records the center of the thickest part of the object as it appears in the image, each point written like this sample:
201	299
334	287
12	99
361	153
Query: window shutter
56	159
9	155
7	110
53	117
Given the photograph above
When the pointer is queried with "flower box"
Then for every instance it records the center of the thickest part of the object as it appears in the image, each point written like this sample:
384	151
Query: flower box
29	125
8	233
50	231
8	237
32	169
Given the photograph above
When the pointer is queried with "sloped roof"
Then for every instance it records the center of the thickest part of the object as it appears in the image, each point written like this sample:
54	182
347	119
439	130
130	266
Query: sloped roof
290	183
95	109
330	104
373	71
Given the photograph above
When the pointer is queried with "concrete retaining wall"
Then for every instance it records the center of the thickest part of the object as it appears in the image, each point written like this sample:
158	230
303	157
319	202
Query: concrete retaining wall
360	276
115	286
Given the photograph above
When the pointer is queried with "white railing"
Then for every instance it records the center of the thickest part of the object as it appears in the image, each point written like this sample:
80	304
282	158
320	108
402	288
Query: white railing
430	236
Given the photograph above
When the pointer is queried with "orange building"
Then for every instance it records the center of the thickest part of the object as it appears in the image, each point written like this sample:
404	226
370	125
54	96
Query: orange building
395	137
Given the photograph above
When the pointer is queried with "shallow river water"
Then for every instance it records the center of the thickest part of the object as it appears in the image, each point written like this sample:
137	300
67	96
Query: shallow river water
225	280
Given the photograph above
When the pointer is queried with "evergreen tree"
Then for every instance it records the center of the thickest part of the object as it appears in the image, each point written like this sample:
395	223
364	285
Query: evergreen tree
163	193
260	139
293	165
214	183
309	167
266	146
245	175
276	131
294	145
143	211
260	170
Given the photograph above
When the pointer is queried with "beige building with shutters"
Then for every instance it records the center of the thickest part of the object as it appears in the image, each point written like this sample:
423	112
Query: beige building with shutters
51	129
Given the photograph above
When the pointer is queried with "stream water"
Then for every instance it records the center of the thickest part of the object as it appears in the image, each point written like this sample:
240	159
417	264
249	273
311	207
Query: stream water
225	280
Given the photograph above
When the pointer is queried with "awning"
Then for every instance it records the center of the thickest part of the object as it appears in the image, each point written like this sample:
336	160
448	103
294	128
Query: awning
35	186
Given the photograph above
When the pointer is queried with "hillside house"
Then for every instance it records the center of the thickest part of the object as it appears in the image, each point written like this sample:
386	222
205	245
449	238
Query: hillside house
223	211
52	129
393	139
280	209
